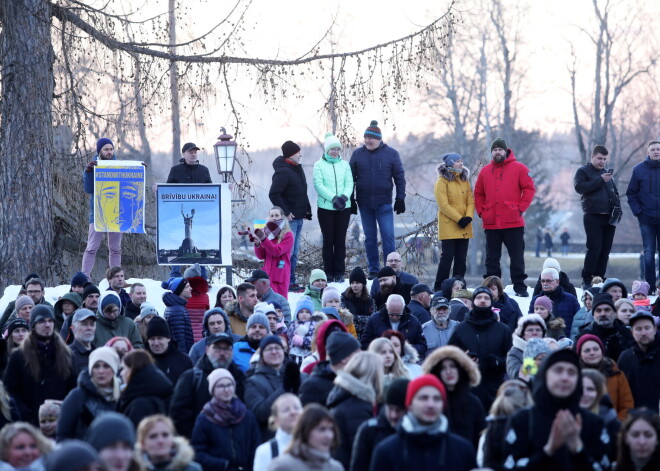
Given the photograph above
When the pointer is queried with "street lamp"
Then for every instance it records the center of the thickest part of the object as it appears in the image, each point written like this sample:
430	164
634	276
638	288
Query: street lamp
225	154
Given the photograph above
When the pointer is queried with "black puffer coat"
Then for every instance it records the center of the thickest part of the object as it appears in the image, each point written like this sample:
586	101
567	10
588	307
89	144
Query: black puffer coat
184	173
172	362
289	189
147	393
261	391
369	435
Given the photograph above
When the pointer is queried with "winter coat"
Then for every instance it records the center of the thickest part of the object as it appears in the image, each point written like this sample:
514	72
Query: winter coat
172	362
330	180
514	358
237	321
580	320
503	192
289	189
616	338
197	305
419	311
351	403
305	458
455	201
147	393
644	191
643	372
490	340
317	387
368	436
178	319
198	350
131	311
306	331
182	458
361	309
122	326
564	282
315	294
564	305
447	286
191	392
261	390
80	407
271	296
493	442
422	448
59	315
88	186
408	326
509	311
529	428
277	258
405	277
619	391
30	393
376	173
243	352
226	447
598	197
321	339
435	337
189	174
458	310
80	356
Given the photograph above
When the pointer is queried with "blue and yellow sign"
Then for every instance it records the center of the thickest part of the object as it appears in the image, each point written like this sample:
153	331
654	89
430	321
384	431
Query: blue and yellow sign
119	196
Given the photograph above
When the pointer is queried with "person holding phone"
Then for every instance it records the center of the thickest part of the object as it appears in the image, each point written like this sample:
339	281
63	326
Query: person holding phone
602	209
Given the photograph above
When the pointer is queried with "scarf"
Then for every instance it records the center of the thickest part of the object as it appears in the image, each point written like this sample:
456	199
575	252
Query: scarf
455	170
273	228
332	160
224	414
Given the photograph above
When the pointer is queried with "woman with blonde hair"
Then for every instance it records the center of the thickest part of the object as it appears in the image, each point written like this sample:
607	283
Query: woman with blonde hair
158	447
357	391
393	367
273	244
22	446
284	415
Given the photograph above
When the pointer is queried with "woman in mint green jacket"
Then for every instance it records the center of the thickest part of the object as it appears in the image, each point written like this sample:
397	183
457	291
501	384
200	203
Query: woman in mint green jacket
333	181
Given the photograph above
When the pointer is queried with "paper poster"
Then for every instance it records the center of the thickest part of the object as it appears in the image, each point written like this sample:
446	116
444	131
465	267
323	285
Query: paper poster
194	224
119	196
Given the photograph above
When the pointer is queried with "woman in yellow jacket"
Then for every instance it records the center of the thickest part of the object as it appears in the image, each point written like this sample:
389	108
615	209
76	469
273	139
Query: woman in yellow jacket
455	210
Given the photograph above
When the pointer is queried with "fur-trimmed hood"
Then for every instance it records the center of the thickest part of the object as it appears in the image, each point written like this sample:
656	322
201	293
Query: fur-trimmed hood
182	455
346	316
518	342
351	386
444	172
410	354
459	356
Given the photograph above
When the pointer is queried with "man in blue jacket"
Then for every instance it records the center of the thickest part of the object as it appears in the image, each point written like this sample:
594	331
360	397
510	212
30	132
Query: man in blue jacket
644	199
377	168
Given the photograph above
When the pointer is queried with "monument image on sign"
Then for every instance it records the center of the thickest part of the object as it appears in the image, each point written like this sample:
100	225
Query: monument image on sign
187	246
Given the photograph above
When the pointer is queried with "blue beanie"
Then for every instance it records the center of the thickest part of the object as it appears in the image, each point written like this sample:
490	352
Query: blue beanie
451	158
331	311
101	142
304	303
109	297
79	279
175	285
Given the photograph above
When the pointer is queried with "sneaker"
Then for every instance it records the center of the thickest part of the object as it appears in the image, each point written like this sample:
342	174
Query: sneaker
522	294
372	275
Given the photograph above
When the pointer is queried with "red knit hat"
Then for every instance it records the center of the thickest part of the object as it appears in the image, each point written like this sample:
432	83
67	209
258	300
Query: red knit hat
425	380
586	338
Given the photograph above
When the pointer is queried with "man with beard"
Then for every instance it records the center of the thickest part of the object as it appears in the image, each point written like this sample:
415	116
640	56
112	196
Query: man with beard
257	328
83	329
437	331
390	284
641	362
168	358
90	300
240	311
611	331
41	369
487	340
192	389
395	262
503	192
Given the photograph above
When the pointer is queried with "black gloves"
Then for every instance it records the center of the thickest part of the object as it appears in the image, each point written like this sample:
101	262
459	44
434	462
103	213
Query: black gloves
291	377
399	206
354	208
308	215
463	222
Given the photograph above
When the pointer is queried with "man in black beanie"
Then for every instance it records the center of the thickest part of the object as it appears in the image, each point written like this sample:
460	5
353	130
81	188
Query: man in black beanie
375	430
487	340
289	192
168	358
614	334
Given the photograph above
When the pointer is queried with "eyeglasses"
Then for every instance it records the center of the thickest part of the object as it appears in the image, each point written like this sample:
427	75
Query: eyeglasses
224	386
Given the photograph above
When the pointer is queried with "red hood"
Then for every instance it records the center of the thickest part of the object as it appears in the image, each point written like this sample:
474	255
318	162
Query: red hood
199	285
322	335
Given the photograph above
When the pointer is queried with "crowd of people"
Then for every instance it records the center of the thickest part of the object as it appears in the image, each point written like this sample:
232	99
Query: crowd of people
392	376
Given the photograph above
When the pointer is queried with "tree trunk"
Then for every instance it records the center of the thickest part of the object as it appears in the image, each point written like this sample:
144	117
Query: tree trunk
26	142
174	89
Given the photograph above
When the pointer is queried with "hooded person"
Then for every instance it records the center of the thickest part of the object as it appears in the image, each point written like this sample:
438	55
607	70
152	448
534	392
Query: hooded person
220	323
111	322
529	326
423	439
198	303
555	433
176	314
488	340
65	307
300	333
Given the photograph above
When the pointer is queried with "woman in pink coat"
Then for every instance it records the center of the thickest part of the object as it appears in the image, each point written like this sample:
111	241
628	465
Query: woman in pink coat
273	245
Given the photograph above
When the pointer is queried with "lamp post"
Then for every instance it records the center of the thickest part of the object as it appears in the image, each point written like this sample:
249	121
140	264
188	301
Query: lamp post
225	154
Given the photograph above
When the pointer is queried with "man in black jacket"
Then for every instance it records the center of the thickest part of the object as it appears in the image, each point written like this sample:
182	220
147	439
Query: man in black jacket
83	327
391	284
169	359
289	192
189	171
192	389
599	198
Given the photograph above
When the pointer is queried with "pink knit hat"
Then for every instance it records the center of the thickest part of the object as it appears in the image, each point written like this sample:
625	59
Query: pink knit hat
216	375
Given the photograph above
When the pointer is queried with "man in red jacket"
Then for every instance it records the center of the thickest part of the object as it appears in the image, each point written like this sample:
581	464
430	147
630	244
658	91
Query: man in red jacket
503	192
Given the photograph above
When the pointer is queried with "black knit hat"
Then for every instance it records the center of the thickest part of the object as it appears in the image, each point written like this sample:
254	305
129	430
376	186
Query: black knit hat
157	327
268	340
90	289
396	393
602	298
340	345
79	279
373	131
290	148
71	455
109	428
41	312
386	271
498	142
482	289
357	274
16	323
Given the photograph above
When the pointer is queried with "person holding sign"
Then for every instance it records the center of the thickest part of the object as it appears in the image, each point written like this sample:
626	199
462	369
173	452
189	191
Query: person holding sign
105	150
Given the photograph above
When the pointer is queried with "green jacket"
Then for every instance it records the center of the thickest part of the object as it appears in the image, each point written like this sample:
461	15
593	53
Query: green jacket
316	295
122	326
332	180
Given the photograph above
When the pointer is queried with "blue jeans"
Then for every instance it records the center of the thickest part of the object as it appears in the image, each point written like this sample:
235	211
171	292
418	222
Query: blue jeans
383	215
651	242
296	228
